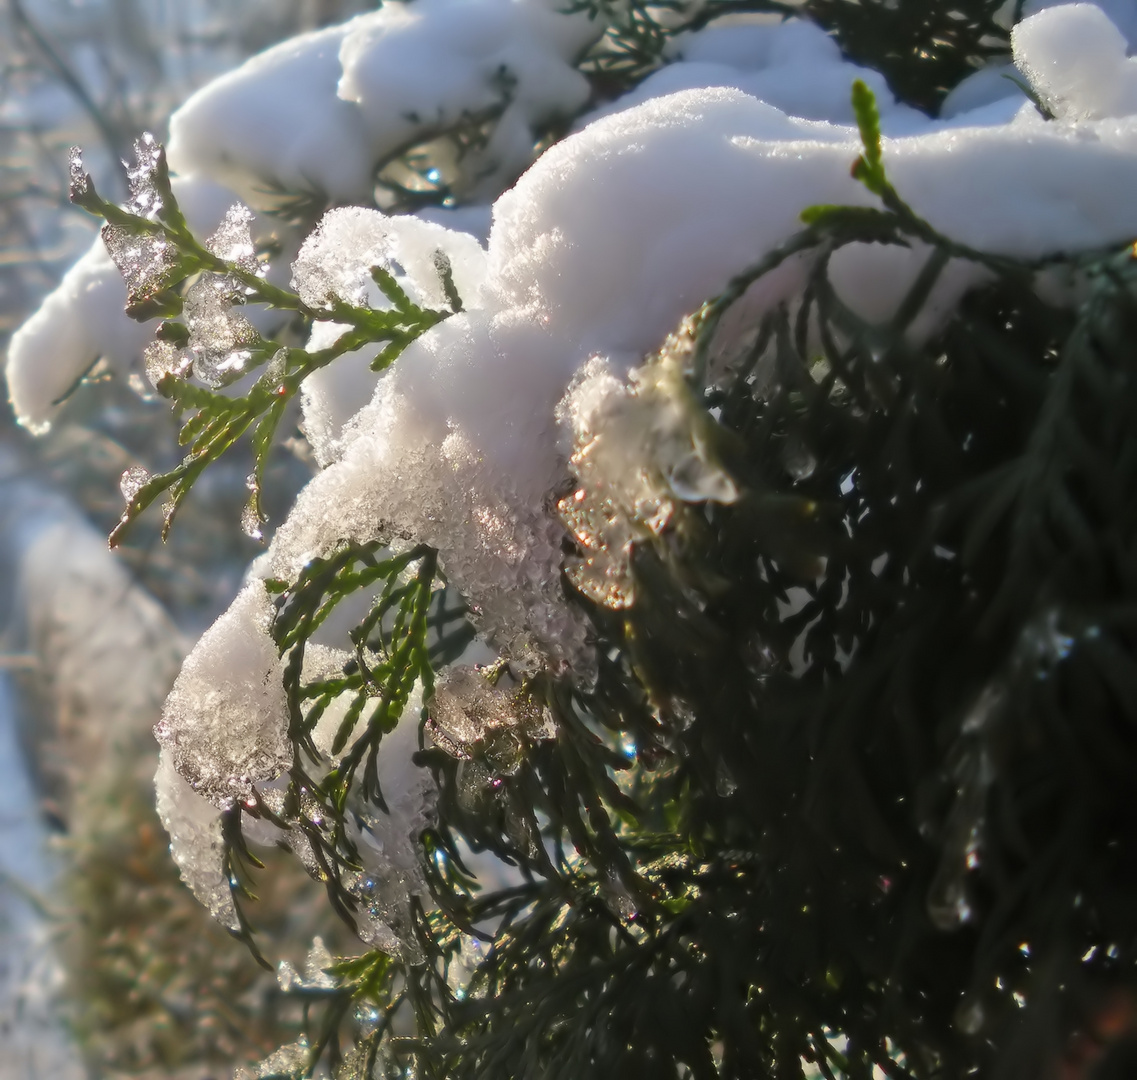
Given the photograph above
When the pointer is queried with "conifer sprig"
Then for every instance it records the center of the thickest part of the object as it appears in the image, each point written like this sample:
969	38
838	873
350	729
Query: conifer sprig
218	421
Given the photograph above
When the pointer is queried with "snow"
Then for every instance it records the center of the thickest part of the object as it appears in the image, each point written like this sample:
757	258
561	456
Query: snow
1075	58
594	256
225	723
107	653
335	263
594	253
320	112
196	843
791	64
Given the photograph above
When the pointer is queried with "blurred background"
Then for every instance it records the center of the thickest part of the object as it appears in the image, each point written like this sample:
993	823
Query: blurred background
108	966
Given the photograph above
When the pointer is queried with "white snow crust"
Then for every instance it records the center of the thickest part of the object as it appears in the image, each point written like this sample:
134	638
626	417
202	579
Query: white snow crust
196	844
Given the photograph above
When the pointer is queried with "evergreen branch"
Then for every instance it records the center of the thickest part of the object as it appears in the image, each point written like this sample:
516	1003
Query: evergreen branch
218	421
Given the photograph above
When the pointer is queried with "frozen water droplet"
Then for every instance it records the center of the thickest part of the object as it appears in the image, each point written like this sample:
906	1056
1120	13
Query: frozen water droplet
163	358
948	904
1042	644
220	338
251	521
132	481
144	261
287	976
969	1016
141	387
316	964
367	1019
275	369
987	704
145	198
80	182
725	783
694	479
798	460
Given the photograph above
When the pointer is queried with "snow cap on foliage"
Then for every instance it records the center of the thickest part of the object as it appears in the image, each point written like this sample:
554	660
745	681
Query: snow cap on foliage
335	265
225	724
792	64
596	251
319	112
1075	58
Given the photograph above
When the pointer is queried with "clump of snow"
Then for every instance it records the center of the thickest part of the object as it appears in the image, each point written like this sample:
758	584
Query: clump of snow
596	252
599	250
1075	58
1122	13
388	843
196	843
225	724
318	113
640	448
335	264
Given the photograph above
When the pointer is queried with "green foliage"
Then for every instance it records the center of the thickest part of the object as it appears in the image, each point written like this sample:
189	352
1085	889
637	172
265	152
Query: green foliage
850	791
922	48
153	232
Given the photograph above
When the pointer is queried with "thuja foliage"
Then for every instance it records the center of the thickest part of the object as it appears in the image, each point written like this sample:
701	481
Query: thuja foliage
157	254
850	791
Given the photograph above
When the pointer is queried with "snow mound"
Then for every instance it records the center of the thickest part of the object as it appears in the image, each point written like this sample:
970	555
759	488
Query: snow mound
320	112
791	64
1075	58
595	252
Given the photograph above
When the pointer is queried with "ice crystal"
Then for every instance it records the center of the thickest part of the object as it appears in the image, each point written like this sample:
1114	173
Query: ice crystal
640	449
251	522
145	198
471	716
196	843
233	240
316	965
143	260
291	1062
164	358
80	181
220	338
132	481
